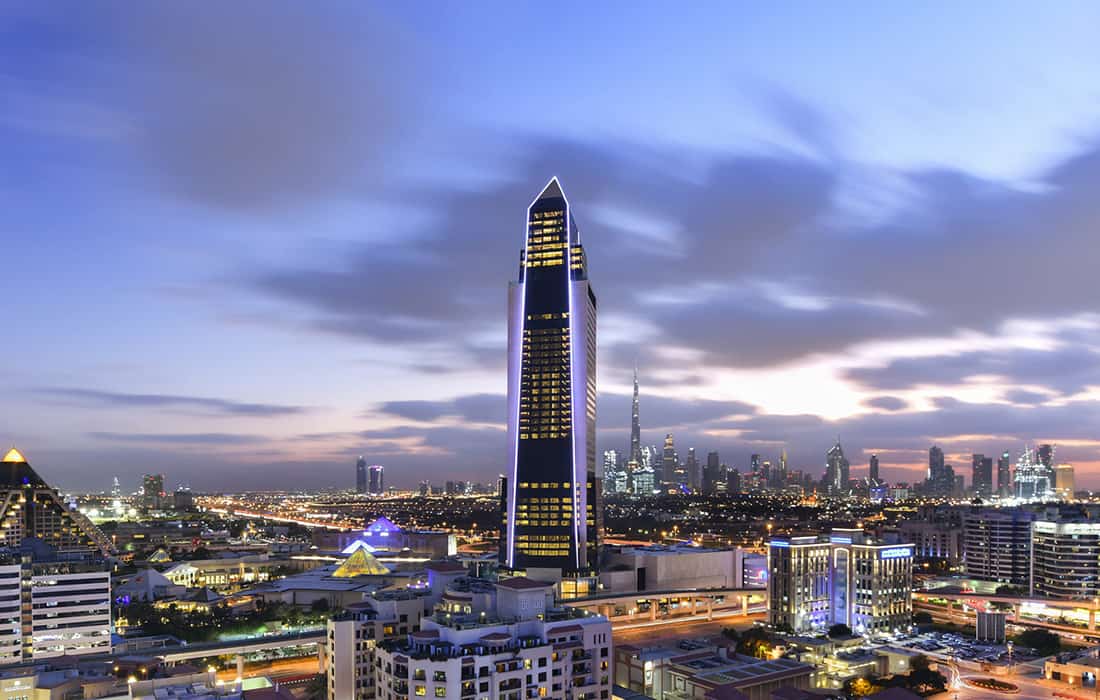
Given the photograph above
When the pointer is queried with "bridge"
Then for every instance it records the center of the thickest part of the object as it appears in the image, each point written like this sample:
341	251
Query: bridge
191	652
671	604
1073	618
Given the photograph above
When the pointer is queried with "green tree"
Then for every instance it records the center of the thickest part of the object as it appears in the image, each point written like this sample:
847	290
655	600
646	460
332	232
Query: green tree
839	630
922	618
1046	643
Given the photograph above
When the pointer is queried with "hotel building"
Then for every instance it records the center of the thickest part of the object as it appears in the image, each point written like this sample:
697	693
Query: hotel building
552	511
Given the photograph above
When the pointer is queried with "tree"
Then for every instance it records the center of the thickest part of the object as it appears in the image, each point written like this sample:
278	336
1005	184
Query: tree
757	642
1046	643
320	605
1010	590
922	618
861	687
839	630
922	679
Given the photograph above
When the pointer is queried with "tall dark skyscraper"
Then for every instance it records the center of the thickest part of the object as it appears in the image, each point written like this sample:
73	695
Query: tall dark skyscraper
1004	475
982	475
635	425
376	485
873	469
360	475
552	519
1044	454
712	473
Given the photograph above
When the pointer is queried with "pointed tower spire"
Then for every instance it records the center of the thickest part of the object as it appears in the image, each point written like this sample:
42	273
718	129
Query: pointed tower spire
552	190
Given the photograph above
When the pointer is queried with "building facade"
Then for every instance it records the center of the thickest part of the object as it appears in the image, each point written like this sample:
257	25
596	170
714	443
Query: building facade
844	578
1065	560
997	545
552	516
511	644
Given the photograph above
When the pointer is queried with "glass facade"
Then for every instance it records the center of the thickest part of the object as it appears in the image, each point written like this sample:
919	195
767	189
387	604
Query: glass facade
552	502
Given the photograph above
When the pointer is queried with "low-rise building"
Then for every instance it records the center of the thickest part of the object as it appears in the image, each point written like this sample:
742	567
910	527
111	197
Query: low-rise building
666	568
847	578
697	669
510	643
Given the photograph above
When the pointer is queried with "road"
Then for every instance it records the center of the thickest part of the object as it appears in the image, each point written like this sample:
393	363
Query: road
664	631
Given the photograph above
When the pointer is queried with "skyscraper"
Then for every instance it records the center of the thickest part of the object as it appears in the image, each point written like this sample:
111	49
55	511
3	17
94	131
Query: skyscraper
1004	475
152	490
692	466
635	424
982	475
941	476
552	519
836	470
1032	481
360	475
873	469
712	474
670	461
1044	454
1067	484
376	482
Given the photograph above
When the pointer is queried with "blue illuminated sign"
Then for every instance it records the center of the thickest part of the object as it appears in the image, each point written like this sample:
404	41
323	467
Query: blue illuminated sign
779	543
895	553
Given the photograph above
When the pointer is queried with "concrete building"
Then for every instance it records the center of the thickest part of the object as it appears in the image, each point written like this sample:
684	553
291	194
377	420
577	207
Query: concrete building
845	578
706	671
997	545
1065	560
505	644
53	606
1067	483
937	539
353	636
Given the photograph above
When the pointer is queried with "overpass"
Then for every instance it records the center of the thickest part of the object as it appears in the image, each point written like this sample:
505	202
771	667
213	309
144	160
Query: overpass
191	652
1066	617
672	604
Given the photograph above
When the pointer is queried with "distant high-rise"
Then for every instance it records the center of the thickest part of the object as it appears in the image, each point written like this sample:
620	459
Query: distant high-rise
360	475
1031	479
1044	454
670	461
836	470
1066	481
613	473
873	469
376	480
712	474
781	471
692	466
1004	475
982	475
552	519
635	424
152	490
941	476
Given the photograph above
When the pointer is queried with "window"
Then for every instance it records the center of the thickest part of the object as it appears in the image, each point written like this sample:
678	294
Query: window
420	690
441	691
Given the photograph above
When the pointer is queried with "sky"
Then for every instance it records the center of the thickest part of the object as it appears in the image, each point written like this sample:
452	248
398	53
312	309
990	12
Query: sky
245	245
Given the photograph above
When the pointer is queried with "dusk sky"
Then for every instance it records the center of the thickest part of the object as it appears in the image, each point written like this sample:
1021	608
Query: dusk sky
243	245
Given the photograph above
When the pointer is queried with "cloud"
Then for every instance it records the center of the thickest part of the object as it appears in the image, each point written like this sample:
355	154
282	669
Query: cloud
180	438
474	408
887	403
171	402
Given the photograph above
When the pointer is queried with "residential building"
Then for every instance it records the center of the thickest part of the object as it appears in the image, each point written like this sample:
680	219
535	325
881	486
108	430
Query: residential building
997	545
508	643
1065	560
376	480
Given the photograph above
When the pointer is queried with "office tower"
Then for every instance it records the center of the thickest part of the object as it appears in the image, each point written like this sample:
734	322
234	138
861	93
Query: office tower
836	470
712	474
644	481
1032	479
1067	483
426	488
997	545
553	517
872	473
941	476
733	481
670	461
1044	455
635	424
510	643
611	472
692	467
765	474
1004	475
1065	560
152	490
781	471
183	499
376	480
847	577
982	475
935	462
361	475
30	508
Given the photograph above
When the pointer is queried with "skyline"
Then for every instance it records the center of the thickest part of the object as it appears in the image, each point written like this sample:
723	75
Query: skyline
883	232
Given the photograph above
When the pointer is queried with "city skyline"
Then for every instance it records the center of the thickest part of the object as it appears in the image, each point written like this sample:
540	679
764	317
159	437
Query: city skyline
236	281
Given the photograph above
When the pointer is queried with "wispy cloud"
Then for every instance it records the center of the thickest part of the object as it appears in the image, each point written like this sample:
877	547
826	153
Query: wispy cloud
171	402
